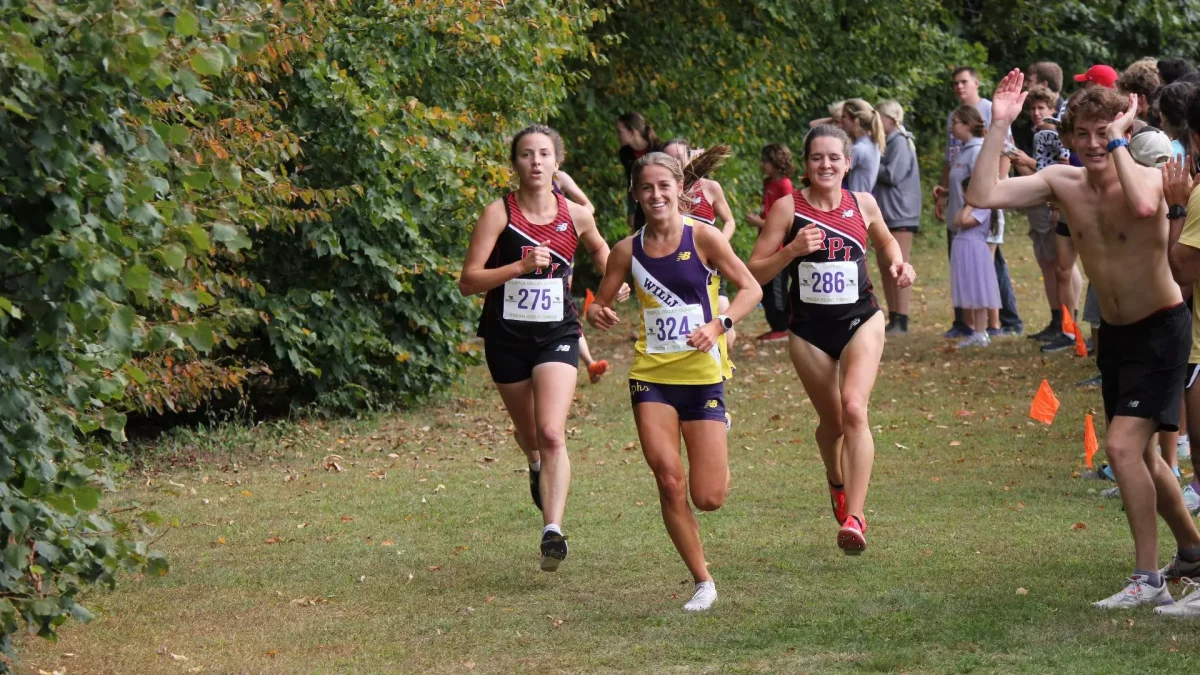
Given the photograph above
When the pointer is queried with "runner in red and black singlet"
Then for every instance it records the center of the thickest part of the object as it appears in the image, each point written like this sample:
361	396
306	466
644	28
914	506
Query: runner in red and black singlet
521	254
836	329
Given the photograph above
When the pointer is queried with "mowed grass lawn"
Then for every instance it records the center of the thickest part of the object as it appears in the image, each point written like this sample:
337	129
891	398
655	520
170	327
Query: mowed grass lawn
985	547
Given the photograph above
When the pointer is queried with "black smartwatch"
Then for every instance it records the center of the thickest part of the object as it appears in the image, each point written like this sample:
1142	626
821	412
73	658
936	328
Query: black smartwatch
726	322
1177	211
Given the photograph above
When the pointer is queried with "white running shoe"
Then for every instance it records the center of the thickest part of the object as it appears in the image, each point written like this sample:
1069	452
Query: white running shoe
1111	493
976	340
1191	499
1135	594
1187	606
1183	448
706	595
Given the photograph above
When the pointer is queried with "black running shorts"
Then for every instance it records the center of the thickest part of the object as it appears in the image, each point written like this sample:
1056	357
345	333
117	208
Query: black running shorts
509	364
1143	366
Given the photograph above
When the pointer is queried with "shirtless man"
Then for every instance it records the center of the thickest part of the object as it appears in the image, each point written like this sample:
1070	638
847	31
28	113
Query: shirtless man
1119	225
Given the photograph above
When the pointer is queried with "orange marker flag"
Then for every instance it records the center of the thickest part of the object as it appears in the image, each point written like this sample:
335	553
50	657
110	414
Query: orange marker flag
588	300
1045	405
1068	322
1090	444
1080	345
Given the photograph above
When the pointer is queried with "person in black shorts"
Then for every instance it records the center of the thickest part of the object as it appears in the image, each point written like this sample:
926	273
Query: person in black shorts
521	256
819	235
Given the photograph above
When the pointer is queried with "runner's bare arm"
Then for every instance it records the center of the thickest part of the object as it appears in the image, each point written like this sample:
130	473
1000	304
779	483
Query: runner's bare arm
885	244
601	314
1142	186
572	192
715	251
721	207
768	258
987	191
597	248
475	277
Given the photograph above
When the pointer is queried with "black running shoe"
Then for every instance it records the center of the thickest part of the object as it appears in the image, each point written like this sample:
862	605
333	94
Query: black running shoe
1061	342
554	551
1046	334
535	482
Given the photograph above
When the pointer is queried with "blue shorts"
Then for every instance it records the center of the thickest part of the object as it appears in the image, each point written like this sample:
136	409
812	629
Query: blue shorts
691	402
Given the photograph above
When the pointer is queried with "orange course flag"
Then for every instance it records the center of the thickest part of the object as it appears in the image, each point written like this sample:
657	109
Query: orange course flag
1045	405
588	300
1068	322
1080	345
1090	444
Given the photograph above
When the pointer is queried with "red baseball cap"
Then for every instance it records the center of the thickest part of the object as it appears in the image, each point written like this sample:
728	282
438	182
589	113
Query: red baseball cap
1100	74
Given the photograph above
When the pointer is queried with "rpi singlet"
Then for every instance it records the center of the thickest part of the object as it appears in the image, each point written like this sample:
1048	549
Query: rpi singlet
534	309
702	210
677	294
830	284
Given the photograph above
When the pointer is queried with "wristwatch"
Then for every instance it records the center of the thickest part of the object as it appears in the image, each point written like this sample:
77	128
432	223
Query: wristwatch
1177	211
726	322
1117	143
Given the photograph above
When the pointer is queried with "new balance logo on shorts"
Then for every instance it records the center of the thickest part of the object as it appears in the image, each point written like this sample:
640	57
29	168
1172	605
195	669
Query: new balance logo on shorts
563	348
685	255
1134	404
710	403
854	322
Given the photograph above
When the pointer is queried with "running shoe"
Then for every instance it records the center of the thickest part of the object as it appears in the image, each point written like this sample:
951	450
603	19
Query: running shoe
535	484
1180	569
1045	334
554	550
896	327
852	538
1187	606
837	500
1091	347
958	332
1175	470
772	336
704	597
597	370
1111	493
1191	499
1060	342
1183	448
1012	331
1090	382
976	340
995	333
1135	594
728	422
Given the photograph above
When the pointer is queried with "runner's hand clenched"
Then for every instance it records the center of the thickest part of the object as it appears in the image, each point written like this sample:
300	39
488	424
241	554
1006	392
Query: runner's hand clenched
704	337
602	317
904	274
536	258
808	240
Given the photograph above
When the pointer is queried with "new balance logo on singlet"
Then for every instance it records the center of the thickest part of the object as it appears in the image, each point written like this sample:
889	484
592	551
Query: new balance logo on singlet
686	255
562	227
848	213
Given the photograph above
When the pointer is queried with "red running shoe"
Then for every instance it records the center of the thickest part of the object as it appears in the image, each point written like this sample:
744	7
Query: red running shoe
852	538
837	499
772	336
597	370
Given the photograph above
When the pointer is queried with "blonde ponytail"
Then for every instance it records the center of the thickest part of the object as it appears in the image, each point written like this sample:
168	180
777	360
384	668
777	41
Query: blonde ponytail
868	118
877	133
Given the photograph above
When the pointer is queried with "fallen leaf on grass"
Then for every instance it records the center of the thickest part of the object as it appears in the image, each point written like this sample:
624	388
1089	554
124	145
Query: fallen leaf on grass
558	623
1022	591
179	657
435	568
271	653
247	493
410	578
333	463
272	540
640	503
309	602
488	460
377	474
387	542
1078	526
346	519
301	526
489	599
902	447
599	462
955	443
220	541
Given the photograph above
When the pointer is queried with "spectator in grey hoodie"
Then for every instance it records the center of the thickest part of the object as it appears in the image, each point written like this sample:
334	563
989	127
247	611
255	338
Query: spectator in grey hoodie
898	191
862	122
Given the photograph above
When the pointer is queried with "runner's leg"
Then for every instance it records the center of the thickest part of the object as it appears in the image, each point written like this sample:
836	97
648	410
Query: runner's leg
554	391
903	295
658	431
518	401
819	375
1169	500
585	354
859	367
708	462
1127	447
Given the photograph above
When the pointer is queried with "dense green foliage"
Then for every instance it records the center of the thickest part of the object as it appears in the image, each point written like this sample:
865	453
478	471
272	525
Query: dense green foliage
197	197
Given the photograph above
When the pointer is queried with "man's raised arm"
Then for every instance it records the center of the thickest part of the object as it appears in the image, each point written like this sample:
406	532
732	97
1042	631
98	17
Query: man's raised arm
986	190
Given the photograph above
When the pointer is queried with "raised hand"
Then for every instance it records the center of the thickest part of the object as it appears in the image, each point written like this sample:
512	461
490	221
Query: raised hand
1009	100
808	240
1121	124
1177	184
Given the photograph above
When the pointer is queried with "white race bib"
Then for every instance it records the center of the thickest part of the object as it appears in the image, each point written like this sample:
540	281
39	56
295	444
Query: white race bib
538	300
667	328
832	283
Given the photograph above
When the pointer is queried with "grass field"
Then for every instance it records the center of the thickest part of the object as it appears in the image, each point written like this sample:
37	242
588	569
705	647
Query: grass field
420	554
